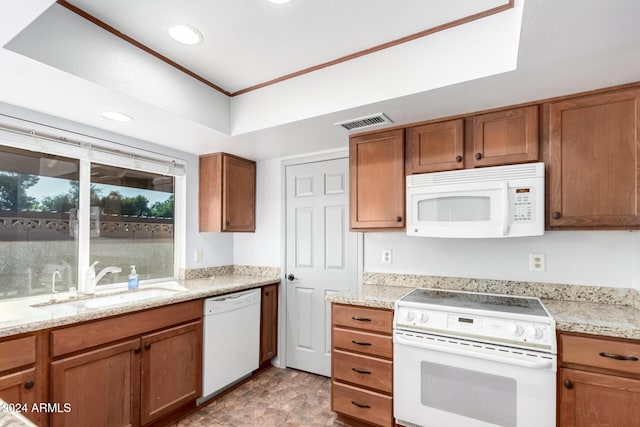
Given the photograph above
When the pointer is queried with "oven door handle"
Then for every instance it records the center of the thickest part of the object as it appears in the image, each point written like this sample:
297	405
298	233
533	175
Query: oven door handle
544	364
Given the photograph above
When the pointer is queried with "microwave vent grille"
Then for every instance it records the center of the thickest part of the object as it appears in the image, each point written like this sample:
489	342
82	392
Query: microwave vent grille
496	173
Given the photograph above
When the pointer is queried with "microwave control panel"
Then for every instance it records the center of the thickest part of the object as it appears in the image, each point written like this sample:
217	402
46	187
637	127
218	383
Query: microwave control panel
522	200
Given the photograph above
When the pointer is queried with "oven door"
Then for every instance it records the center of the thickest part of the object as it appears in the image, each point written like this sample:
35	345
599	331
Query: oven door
447	382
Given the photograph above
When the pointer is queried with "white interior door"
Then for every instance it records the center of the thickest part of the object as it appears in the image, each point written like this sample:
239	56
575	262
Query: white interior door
321	258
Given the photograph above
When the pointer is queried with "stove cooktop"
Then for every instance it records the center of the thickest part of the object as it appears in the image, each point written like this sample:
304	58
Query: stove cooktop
477	301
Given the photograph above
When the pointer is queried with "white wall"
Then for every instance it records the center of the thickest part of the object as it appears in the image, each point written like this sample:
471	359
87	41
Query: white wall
262	248
601	258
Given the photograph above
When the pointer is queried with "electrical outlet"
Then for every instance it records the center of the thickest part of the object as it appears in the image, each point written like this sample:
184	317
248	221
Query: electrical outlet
197	256
537	262
386	256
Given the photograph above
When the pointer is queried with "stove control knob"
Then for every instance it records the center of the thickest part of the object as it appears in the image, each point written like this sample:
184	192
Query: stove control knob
424	317
410	315
515	330
534	332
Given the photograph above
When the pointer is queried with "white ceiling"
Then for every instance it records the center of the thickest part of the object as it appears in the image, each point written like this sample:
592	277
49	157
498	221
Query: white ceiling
561	47
247	42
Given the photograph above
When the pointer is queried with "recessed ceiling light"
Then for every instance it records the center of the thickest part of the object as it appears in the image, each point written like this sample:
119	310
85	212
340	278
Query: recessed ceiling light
185	34
279	1
117	116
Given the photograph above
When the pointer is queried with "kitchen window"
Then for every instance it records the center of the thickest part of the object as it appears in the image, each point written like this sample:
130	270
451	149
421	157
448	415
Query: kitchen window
65	205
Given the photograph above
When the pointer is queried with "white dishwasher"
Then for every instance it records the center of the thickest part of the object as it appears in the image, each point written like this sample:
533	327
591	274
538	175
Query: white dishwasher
231	341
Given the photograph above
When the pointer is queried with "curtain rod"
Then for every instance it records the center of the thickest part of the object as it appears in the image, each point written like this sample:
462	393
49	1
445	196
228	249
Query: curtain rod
90	146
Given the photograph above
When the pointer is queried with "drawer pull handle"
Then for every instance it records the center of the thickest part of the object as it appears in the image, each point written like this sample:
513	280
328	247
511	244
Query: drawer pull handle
360	405
360	342
361	319
619	357
361	371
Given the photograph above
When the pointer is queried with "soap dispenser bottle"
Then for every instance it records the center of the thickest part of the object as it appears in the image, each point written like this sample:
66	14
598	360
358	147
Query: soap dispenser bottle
133	282
90	282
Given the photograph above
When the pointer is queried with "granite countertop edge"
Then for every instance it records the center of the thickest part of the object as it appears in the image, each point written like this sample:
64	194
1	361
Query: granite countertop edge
595	318
195	289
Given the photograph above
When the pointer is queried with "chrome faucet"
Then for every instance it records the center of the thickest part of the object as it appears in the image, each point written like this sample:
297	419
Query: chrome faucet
53	282
106	271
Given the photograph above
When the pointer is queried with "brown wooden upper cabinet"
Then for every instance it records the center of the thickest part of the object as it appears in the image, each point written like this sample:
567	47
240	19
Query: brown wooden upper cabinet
498	138
377	180
435	147
592	155
227	193
505	137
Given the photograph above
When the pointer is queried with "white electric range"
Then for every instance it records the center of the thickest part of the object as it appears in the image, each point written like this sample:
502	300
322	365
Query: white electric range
470	359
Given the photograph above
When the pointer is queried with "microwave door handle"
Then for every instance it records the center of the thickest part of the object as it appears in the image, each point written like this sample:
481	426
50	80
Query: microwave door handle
543	364
504	187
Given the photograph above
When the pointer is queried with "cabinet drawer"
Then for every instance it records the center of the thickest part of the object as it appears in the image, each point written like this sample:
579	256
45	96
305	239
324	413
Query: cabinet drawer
371	319
365	405
363	370
81	337
363	342
17	352
594	351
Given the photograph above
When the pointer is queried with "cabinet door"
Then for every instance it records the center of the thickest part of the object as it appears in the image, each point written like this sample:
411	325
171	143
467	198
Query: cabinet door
505	137
590	399
593	160
171	370
377	180
20	388
435	147
239	194
210	193
102	387
269	323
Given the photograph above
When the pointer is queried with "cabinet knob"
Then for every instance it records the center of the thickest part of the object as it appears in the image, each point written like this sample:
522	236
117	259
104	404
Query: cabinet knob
458	159
398	219
568	384
291	277
137	350
557	215
478	156
226	223
147	346
29	384
266	293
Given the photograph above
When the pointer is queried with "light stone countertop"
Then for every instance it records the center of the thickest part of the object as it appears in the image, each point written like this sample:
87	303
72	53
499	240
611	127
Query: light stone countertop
598	318
18	316
12	419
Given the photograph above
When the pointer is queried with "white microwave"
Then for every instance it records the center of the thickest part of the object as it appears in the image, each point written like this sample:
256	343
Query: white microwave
499	201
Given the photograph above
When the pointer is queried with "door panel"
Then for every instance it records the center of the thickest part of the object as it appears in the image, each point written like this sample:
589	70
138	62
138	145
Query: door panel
321	254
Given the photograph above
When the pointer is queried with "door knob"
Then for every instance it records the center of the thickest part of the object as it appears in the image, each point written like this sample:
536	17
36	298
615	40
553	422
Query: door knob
291	277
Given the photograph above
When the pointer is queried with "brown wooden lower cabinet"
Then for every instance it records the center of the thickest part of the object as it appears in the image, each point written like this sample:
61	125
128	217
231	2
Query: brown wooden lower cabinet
100	387
269	323
593	399
138	381
19	381
598	381
362	365
171	375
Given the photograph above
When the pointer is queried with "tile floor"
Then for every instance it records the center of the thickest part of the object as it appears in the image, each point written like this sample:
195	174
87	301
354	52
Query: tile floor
275	397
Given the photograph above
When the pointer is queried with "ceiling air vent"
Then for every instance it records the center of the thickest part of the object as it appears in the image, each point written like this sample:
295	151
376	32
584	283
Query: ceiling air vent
364	122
